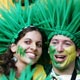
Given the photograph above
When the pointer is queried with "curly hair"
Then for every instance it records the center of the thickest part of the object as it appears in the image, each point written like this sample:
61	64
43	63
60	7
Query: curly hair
6	62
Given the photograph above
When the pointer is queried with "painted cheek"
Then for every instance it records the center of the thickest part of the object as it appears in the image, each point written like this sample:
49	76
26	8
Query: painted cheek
52	51
20	51
71	55
70	50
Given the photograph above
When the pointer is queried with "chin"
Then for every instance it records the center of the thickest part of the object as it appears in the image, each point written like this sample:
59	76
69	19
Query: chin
27	61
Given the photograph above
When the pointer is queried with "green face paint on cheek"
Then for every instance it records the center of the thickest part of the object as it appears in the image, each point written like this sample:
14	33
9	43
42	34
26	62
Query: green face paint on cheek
52	52
20	51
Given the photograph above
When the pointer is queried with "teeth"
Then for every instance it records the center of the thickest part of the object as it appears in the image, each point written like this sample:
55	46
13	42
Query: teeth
31	55
60	56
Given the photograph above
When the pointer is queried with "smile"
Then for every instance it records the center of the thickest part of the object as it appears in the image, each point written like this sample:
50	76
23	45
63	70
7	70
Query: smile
60	58
31	55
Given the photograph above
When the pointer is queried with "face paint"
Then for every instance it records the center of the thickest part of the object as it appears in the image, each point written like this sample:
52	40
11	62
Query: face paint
52	52
21	51
70	56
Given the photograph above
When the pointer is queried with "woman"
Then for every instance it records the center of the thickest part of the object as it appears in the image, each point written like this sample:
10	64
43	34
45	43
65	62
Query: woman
26	49
20	42
30	41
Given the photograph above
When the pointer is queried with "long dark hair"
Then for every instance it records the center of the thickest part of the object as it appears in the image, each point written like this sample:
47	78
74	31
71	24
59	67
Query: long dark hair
6	62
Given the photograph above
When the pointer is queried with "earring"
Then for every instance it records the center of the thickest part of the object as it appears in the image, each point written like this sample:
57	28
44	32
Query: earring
14	59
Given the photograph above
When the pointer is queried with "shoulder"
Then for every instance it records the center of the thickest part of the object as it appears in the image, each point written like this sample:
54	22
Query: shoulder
46	68
39	72
39	68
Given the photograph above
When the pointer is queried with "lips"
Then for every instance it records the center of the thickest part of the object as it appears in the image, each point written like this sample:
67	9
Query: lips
60	58
31	55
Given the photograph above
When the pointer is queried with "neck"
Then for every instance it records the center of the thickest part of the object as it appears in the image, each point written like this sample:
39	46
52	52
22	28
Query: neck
66	71
20	67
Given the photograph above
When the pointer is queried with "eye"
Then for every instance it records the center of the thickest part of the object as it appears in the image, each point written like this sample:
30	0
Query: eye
39	44
68	43
28	42
54	42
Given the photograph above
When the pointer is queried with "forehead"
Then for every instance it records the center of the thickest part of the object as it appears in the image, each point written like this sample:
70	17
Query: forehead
34	35
61	37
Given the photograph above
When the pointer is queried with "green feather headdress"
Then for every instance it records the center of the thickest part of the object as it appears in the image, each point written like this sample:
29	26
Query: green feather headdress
12	21
59	17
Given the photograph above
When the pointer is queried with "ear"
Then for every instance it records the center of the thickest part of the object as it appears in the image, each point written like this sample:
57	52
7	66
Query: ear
78	52
13	47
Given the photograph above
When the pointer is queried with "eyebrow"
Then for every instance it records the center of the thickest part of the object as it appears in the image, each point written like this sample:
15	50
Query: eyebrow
27	39
64	40
40	41
68	41
31	39
54	39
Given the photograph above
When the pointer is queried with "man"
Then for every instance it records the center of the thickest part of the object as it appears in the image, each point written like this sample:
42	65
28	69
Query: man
63	53
60	19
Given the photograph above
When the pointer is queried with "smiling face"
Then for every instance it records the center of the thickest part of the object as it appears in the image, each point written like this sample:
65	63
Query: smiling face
62	51
31	44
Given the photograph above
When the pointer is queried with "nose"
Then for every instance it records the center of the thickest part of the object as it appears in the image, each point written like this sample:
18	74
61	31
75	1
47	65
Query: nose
33	46
60	48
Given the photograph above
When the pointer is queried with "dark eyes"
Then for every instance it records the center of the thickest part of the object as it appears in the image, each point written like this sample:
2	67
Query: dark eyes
67	43
54	42
28	42
38	44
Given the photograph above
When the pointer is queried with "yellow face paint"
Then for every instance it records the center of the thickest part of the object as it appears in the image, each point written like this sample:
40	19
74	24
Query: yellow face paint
70	54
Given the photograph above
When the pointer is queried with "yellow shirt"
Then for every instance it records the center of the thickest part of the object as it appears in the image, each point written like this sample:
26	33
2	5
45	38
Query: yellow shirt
39	73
